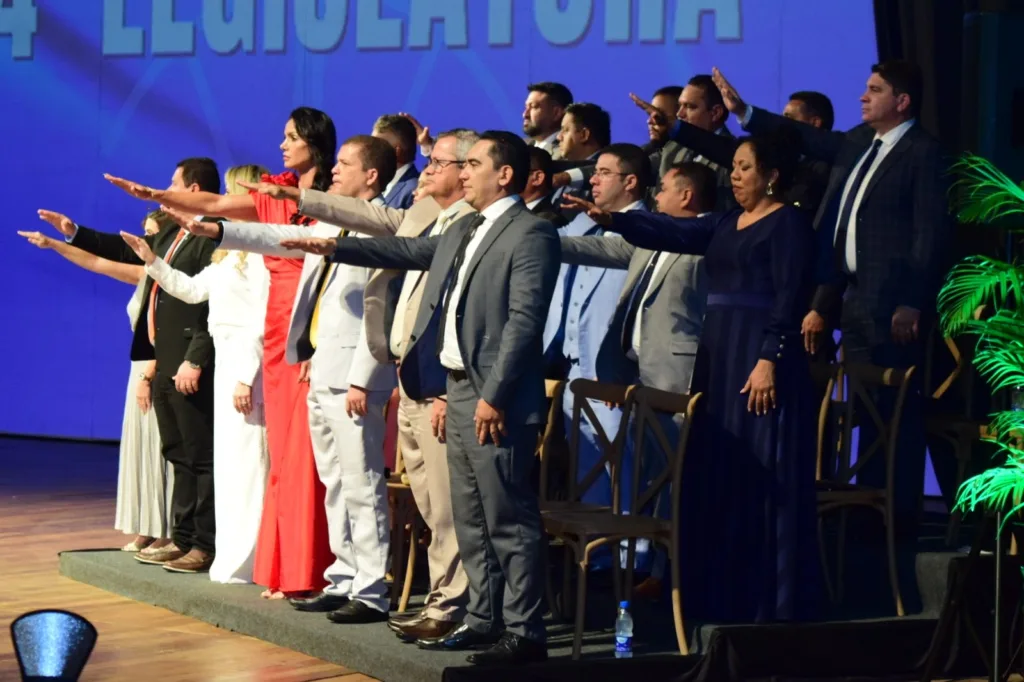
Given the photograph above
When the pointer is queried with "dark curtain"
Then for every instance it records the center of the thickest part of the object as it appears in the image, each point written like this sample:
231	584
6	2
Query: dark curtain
930	33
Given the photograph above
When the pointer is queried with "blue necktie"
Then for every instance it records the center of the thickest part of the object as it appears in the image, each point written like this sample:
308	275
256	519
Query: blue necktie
847	208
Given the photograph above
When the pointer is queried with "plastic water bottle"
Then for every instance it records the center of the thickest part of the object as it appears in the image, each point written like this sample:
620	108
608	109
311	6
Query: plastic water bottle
624	632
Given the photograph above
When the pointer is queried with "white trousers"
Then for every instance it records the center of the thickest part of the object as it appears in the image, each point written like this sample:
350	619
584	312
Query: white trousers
349	455
241	461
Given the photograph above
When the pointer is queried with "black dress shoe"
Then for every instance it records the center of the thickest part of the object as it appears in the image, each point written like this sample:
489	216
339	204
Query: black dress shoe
321	603
459	639
355	612
511	650
403	620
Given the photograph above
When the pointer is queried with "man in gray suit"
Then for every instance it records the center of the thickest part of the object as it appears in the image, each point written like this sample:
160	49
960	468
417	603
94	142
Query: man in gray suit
660	313
477	339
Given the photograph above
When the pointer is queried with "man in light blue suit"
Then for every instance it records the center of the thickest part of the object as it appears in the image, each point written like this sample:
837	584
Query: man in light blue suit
586	299
400	133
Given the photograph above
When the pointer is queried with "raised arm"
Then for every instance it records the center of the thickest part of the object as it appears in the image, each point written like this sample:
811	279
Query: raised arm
717	148
660	232
109	246
232	206
792	255
814	142
359	215
122	272
397	253
187	288
535	267
262	238
597	251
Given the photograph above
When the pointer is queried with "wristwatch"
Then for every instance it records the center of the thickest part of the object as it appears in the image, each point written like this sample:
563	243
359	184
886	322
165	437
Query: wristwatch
145	377
193	365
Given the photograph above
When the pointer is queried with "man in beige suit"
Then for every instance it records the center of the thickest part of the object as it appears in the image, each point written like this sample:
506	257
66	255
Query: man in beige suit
420	423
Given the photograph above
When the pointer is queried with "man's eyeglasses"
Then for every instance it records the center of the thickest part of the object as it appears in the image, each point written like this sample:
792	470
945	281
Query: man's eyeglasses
441	164
605	173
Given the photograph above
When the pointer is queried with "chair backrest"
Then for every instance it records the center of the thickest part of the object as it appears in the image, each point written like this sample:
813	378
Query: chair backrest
861	382
52	644
650	406
551	442
585	390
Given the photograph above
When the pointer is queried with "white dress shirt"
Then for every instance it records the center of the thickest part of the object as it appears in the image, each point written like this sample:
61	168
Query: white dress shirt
549	143
399	174
533	204
451	357
889	140
445	219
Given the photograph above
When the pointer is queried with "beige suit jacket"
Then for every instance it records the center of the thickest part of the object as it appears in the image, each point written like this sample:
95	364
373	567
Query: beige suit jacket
362	216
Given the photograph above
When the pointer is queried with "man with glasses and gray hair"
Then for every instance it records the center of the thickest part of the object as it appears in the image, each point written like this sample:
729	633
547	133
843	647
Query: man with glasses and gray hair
388	328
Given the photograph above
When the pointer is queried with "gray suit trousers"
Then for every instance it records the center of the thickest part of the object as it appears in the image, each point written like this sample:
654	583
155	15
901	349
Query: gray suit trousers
497	520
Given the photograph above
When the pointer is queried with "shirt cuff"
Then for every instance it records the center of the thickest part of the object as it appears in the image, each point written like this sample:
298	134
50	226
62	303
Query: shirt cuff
73	235
576	177
745	118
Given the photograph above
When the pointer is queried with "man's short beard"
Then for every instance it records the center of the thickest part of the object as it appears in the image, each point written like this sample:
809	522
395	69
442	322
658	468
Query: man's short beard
531	129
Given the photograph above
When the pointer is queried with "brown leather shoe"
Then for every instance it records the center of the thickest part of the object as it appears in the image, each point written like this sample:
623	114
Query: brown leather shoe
160	556
196	561
400	620
427	628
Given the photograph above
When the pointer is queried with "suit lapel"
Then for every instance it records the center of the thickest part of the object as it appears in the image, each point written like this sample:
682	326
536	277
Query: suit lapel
893	157
497	228
665	263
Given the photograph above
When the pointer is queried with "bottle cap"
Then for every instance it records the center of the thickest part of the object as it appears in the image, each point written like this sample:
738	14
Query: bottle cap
623	604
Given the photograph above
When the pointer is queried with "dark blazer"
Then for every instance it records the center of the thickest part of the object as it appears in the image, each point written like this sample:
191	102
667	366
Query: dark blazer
501	312
809	181
401	194
182	330
546	211
903	221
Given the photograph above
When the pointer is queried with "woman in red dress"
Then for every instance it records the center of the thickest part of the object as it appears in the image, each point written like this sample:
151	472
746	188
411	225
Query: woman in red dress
292	551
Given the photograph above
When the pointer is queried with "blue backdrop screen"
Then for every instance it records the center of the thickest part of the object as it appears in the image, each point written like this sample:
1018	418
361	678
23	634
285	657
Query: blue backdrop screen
132	86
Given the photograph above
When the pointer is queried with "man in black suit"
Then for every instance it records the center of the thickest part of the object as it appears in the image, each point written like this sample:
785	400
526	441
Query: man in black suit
477	344
537	194
175	334
884	223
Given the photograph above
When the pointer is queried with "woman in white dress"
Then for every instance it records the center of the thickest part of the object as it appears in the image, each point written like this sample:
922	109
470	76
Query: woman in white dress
144	479
236	284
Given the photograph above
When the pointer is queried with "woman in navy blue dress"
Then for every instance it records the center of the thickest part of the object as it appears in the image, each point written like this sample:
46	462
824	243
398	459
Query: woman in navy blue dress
749	524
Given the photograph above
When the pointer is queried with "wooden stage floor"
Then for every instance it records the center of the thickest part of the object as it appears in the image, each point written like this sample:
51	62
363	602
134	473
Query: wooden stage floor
56	496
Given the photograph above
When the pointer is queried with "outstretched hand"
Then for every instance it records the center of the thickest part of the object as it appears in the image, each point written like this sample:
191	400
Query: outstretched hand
315	245
189	223
423	137
598	215
60	222
136	190
733	102
38	239
273	191
140	247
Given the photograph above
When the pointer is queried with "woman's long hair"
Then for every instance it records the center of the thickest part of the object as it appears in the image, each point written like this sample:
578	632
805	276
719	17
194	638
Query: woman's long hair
250	173
317	130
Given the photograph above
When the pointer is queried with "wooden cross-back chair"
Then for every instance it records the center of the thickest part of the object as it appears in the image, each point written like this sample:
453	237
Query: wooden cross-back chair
587	530
837	490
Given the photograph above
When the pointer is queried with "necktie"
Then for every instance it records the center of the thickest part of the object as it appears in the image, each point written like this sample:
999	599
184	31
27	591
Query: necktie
151	313
847	209
321	287
453	274
636	301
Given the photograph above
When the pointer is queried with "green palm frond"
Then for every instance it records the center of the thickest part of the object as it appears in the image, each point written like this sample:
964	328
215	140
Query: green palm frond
977	280
993	489
988	194
1001	367
1005	427
1005	327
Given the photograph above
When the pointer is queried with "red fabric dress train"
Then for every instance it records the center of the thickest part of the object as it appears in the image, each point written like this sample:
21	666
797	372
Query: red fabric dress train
292	550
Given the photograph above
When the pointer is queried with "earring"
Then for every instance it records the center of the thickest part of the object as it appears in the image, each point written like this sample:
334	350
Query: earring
771	189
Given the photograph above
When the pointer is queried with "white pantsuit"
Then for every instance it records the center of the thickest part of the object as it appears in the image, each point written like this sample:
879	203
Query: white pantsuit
237	291
349	451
